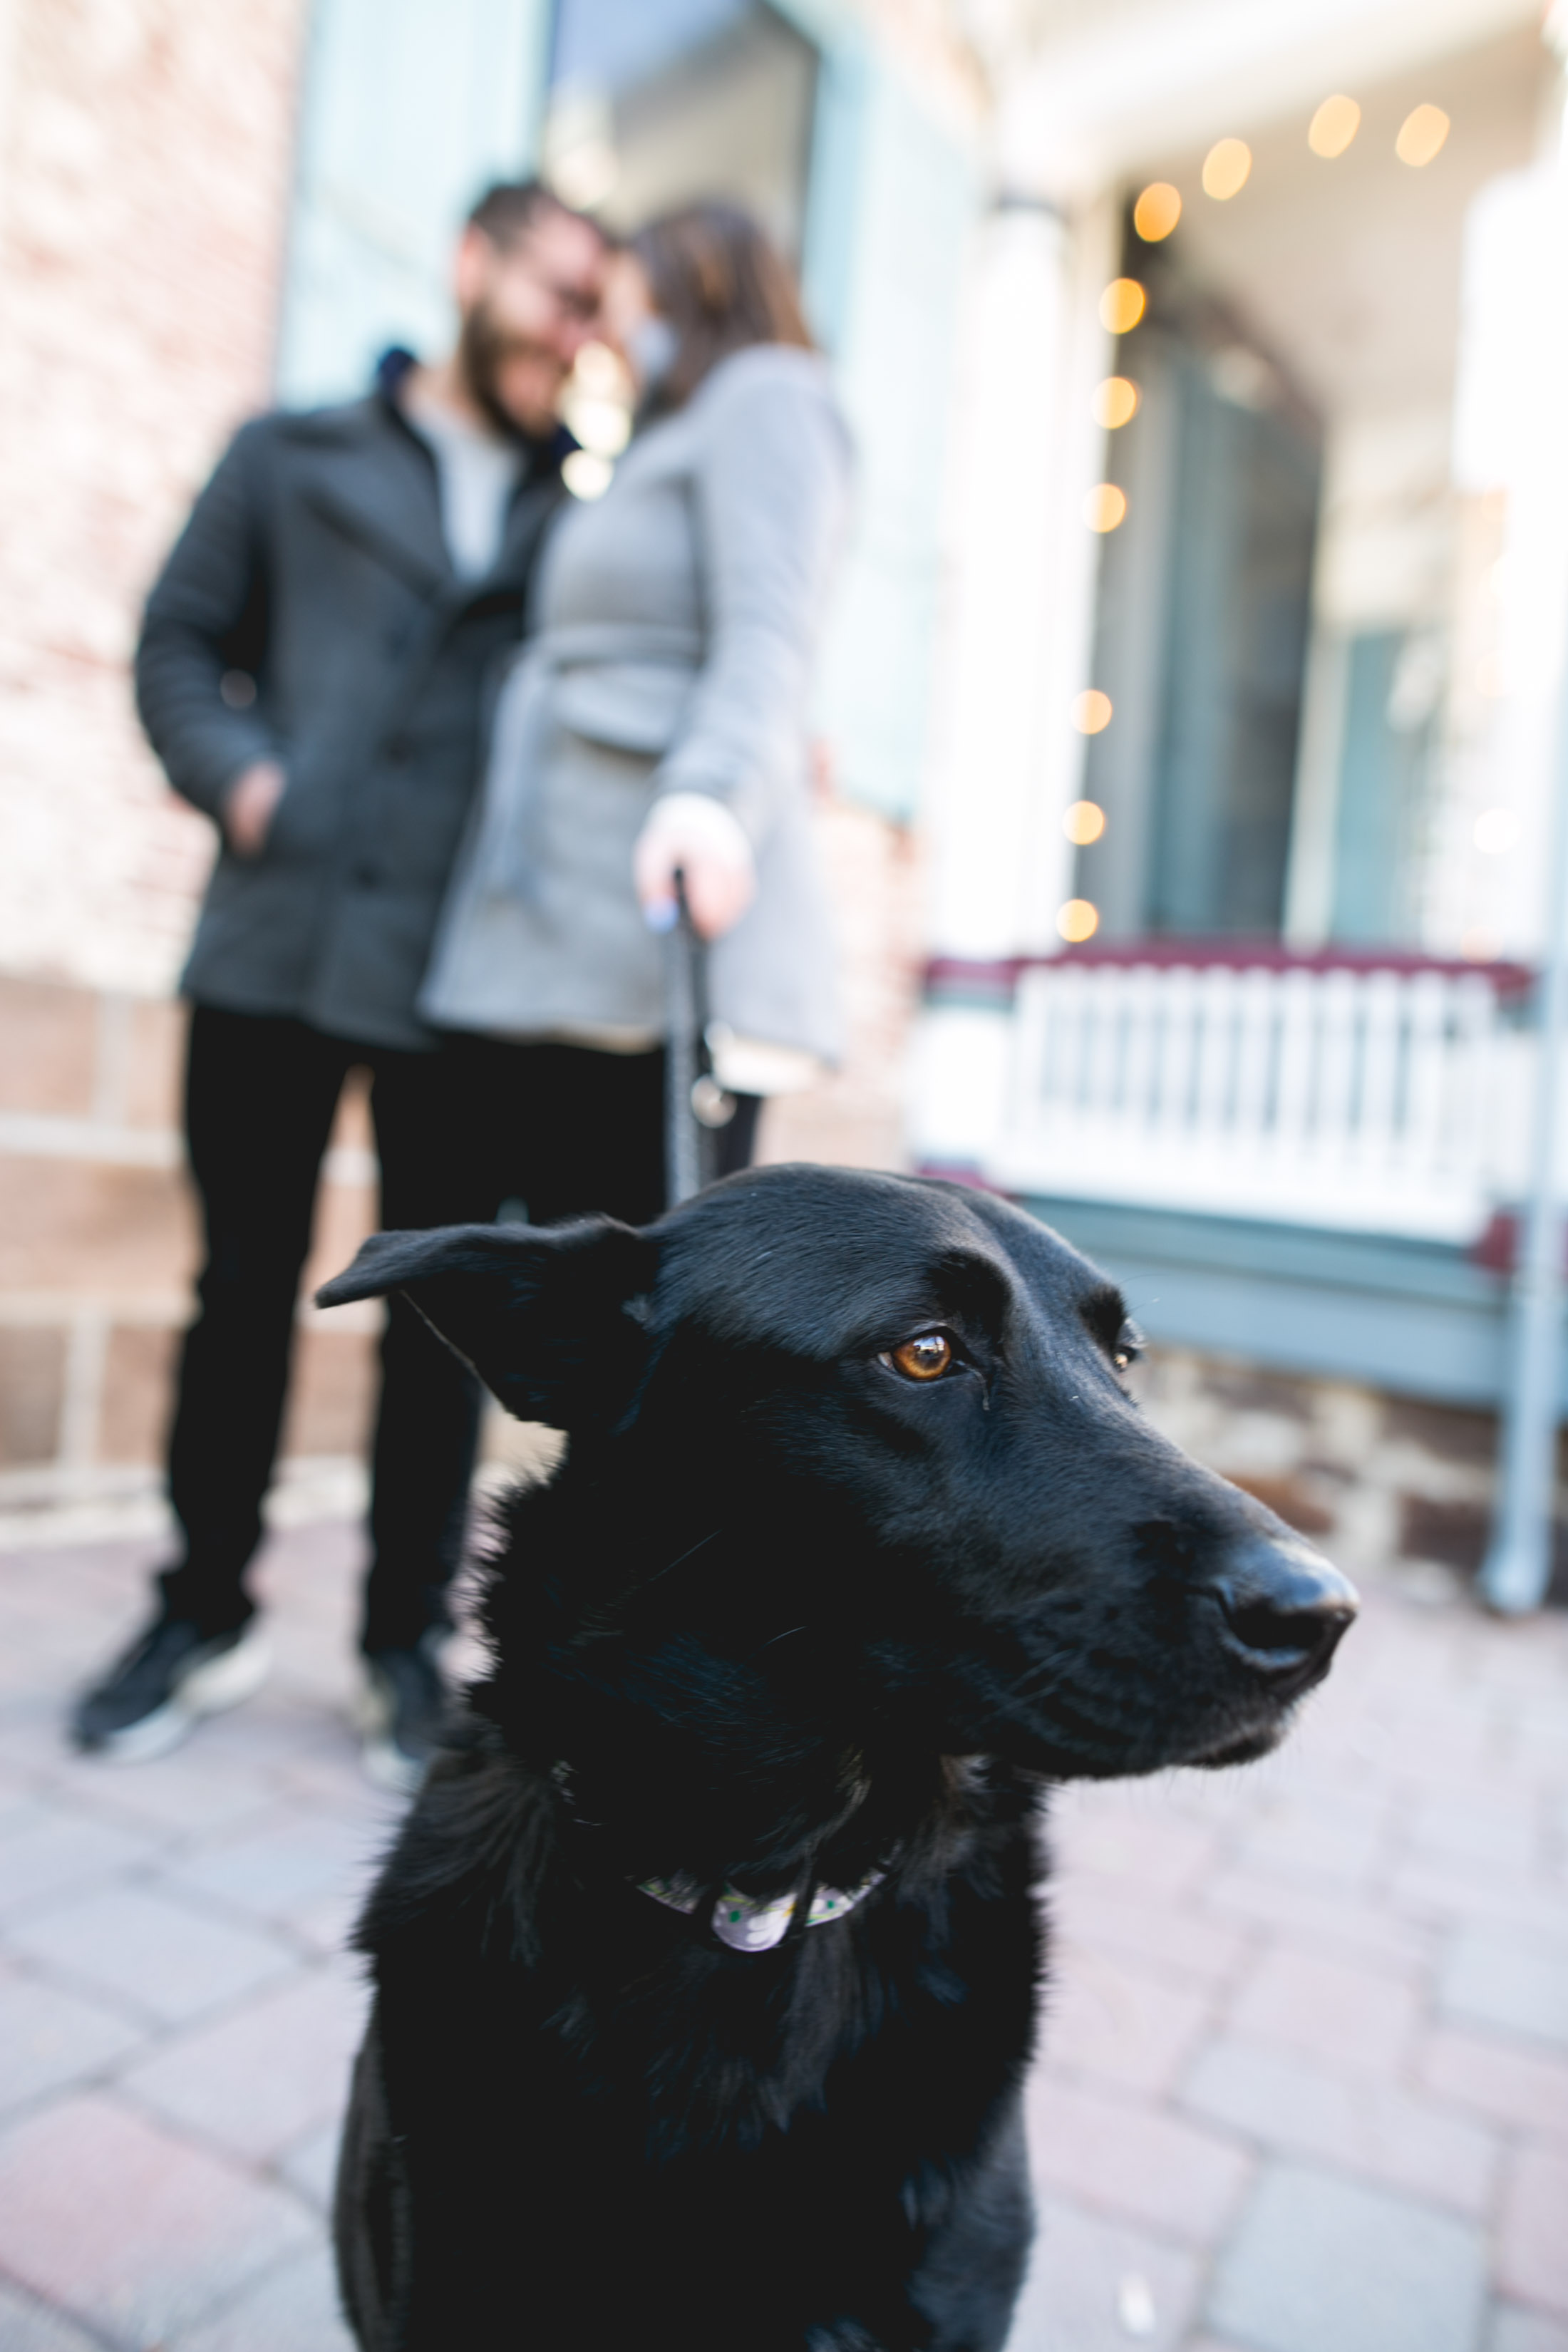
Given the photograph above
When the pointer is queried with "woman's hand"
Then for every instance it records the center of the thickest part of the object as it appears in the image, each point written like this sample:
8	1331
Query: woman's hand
689	834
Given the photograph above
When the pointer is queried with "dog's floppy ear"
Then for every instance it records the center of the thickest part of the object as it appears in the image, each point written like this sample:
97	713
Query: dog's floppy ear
546	1317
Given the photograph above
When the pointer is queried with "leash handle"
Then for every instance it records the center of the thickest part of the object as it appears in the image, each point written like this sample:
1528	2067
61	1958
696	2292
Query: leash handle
695	1104
682	1136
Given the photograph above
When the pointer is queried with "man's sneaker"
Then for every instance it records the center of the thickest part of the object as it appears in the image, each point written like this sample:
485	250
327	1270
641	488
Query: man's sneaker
401	1714
171	1676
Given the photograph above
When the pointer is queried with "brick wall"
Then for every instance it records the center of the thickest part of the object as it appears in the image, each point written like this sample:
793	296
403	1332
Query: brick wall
144	191
144	161
98	1243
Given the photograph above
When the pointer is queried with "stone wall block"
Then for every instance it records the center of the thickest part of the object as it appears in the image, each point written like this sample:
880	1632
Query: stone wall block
137	1398
1446	1432
48	1048
332	1391
79	1228
155	1072
31	1395
345	1213
1293	1498
147	182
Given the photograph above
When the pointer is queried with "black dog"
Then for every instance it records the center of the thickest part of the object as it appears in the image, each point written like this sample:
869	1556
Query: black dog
706	1967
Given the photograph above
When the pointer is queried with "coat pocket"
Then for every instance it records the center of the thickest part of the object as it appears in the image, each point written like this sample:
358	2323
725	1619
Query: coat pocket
626	706
304	825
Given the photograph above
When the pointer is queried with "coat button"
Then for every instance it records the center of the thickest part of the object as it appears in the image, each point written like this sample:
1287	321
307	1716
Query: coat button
365	876
398	748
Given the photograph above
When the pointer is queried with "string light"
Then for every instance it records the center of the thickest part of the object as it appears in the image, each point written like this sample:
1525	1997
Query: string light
1084	822
1334	127
1091	711
1105	507
586	474
1225	169
1115	402
1421	135
1121	306
1157	211
1078	920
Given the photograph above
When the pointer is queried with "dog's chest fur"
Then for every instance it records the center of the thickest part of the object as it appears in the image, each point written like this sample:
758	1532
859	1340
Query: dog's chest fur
576	2071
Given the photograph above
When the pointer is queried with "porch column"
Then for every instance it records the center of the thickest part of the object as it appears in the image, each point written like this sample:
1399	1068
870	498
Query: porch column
1529	217
1014	647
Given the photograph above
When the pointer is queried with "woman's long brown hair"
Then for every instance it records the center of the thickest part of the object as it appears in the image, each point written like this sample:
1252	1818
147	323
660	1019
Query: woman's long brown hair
722	284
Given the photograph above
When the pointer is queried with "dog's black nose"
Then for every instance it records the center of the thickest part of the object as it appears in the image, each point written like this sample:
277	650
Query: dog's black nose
1285	1608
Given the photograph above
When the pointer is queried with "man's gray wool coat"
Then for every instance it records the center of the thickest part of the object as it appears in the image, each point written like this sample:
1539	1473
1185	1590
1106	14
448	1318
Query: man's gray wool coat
309	614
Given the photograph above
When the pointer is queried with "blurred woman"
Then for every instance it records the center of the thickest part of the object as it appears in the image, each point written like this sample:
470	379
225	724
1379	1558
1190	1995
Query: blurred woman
656	722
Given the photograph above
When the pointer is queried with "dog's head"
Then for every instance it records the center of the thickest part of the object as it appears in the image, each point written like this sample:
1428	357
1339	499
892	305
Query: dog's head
866	1441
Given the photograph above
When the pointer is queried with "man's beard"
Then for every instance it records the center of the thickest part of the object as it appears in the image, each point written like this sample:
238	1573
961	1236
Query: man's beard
483	350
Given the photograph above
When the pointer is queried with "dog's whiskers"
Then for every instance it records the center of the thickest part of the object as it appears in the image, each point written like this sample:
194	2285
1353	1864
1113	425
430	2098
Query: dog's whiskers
682	1557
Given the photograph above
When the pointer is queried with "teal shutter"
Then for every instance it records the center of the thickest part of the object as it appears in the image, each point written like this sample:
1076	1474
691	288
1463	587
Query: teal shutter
893	203
407	110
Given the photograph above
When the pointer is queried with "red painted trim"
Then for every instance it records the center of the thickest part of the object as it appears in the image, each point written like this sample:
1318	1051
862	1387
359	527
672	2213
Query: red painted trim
1498	1247
954	1173
999	976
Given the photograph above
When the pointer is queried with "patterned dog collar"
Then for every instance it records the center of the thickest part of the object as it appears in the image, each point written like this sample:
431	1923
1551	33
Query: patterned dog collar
748	1927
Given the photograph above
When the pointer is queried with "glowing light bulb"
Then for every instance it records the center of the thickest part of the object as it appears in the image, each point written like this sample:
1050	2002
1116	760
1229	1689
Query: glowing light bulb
1225	169
1078	920
601	373
586	475
1421	135
1334	127
1122	305
1157	211
1084	822
1115	402
1091	711
1105	506
604	427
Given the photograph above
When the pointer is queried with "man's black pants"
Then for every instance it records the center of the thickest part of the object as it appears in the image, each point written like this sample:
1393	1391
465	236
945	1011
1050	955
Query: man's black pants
260	1094
555	1131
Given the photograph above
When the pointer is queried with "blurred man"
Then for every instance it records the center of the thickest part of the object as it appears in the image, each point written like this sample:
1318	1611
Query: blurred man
310	674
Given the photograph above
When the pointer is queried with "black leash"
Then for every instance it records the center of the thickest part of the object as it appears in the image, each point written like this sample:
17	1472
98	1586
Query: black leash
695	1104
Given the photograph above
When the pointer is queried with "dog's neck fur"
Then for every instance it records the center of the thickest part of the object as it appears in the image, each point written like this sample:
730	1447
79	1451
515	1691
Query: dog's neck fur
698	1743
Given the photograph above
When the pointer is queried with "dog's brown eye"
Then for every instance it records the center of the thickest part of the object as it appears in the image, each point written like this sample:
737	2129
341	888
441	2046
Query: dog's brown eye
1130	1345
925	1359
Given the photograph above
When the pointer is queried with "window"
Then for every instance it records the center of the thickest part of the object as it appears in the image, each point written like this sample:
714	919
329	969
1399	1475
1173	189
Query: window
656	102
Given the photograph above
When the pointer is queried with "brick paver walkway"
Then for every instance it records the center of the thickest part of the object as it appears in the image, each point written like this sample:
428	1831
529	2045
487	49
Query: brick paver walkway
1306	2087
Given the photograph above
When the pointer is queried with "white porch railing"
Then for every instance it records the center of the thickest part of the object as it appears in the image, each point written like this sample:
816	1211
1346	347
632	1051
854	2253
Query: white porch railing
1383	1097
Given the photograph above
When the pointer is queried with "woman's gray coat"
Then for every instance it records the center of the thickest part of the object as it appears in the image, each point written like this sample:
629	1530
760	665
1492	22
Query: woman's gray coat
675	617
